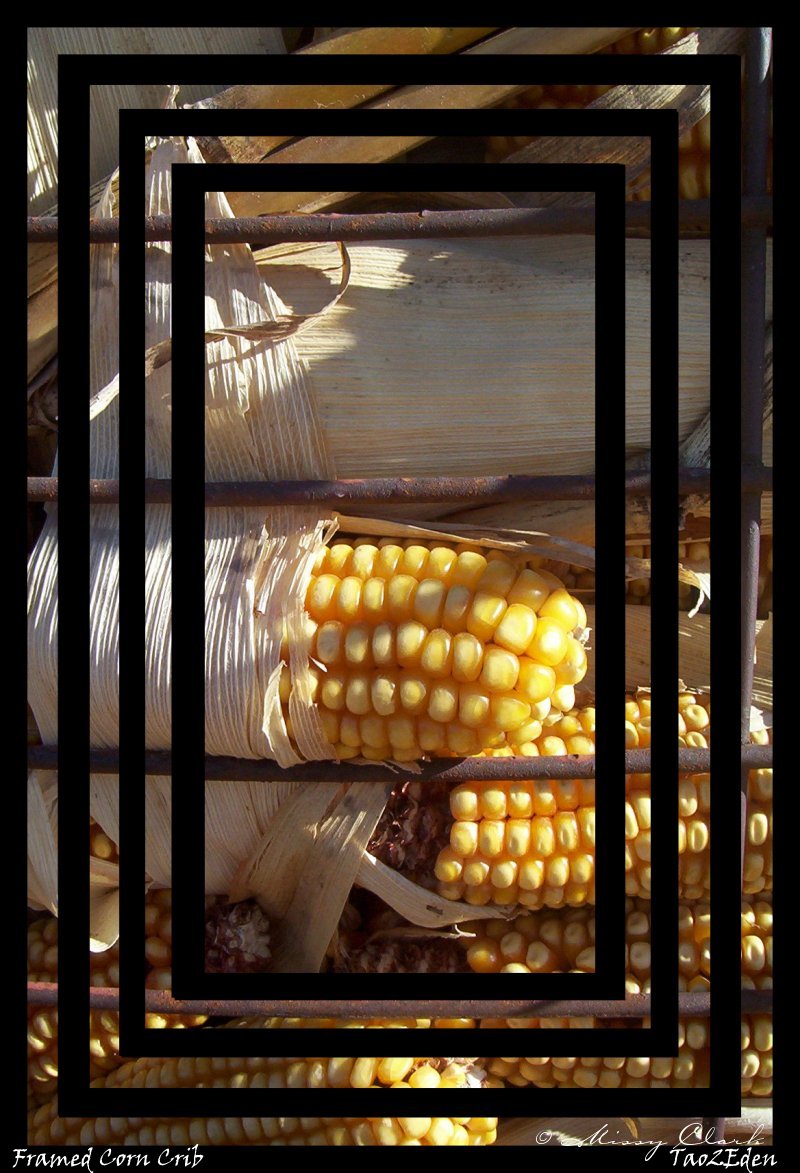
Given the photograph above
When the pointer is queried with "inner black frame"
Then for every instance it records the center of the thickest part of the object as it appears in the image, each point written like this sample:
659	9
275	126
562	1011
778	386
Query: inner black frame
75	76
190	980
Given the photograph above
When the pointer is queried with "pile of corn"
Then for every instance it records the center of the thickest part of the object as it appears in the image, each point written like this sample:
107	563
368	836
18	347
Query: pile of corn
549	942
104	970
552	942
431	649
532	843
423	648
46	1127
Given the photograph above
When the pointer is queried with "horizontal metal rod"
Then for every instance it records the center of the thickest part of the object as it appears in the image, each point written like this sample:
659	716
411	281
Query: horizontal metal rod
637	761
400	490
694	216
696	1003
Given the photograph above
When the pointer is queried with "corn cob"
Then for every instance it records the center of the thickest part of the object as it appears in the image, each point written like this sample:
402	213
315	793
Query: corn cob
371	937
561	935
438	650
560	942
237	937
45	1127
43	1020
532	843
688	1069
104	971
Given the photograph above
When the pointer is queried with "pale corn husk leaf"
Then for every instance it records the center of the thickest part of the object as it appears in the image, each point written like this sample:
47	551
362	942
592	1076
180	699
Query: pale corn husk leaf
43	574
261	425
420	905
493	538
702	580
694	648
762	673
534	300
694	653
312	917
103	915
274	869
45	44
691	101
246	808
42	841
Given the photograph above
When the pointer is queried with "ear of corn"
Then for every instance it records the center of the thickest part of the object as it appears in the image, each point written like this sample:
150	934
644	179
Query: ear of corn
688	1069
437	650
532	842
46	1127
561	942
558	942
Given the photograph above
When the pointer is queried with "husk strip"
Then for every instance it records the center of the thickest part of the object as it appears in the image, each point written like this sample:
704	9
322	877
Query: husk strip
420	905
324	885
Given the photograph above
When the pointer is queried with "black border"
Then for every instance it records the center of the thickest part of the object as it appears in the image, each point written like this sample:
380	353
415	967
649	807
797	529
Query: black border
188	974
75	74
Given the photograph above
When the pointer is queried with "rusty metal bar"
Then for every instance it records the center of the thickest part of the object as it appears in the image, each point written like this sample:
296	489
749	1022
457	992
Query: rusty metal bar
696	1003
637	761
400	490
694	216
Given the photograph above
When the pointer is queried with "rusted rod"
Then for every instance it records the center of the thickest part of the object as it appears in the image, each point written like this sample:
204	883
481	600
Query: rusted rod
695	1003
399	490
694	215
637	761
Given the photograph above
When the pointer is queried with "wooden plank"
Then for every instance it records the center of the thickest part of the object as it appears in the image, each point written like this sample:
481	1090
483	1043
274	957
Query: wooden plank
250	149
398	40
694	642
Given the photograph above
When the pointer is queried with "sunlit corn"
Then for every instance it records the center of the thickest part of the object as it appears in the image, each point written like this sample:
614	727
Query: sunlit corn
533	842
103	1034
46	1128
437	650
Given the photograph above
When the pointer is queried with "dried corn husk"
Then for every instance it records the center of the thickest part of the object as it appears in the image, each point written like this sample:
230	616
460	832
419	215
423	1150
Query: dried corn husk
252	149
691	101
45	44
262	425
694	652
434	324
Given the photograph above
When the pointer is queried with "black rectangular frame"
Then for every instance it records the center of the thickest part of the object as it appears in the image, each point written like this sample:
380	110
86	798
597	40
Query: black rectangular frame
76	74
188	973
